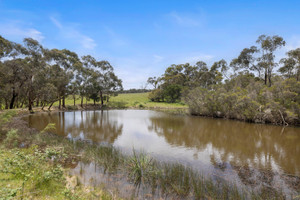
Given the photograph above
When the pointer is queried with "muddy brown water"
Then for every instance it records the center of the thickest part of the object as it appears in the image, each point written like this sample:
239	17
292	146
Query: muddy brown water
215	147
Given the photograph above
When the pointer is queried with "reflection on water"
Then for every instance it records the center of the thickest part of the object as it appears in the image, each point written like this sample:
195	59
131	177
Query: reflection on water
213	146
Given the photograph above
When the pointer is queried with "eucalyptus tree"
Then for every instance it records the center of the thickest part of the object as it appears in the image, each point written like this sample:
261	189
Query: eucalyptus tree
69	63
10	70
111	84
35	56
247	61
178	79
267	46
153	81
14	79
102	80
5	47
291	64
260	59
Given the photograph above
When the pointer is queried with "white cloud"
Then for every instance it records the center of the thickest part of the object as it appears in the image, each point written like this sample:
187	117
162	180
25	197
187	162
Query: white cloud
71	32
17	29
184	20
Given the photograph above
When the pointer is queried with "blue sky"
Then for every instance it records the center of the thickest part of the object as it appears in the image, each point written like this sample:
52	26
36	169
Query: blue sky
142	38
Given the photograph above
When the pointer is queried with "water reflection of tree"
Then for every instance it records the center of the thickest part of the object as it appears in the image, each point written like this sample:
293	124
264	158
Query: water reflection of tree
239	143
93	125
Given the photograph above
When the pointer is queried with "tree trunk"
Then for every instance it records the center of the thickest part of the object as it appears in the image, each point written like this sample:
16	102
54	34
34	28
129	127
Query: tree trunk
269	77
37	102
63	102
94	101
17	104
81	104
30	104
74	97
11	106
50	105
101	97
21	106
266	77
59	104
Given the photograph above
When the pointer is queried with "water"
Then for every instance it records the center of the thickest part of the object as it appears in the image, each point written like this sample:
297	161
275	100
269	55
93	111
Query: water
235	150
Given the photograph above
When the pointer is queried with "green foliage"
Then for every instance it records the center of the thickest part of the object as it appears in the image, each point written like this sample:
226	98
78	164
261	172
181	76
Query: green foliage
172	93
156	95
6	116
246	98
8	193
33	75
31	168
141	168
12	138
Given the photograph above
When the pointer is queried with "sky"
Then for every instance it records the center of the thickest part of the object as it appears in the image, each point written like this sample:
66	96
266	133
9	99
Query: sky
142	38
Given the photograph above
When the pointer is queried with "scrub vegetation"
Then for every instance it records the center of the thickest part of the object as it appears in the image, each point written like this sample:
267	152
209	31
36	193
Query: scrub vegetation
247	89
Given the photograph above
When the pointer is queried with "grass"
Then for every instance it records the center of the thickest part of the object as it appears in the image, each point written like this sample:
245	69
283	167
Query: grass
140	100
29	174
6	116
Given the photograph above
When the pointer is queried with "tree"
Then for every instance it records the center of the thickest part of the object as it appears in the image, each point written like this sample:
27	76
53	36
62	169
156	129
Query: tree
268	45
102	79
14	79
5	47
246	60
172	93
291	65
35	57
153	81
69	62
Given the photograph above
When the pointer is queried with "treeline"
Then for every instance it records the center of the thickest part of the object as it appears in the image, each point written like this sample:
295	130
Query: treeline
248	88
133	90
31	75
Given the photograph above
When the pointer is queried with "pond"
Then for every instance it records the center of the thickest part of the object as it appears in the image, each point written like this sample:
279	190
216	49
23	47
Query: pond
235	150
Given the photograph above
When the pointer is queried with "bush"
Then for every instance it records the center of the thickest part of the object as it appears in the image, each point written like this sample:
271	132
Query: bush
11	138
172	93
156	95
255	102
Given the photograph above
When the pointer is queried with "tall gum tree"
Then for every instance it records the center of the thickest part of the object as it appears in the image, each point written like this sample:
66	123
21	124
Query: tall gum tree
267	46
35	57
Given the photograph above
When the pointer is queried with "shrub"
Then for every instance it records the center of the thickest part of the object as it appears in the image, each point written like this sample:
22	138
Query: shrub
156	95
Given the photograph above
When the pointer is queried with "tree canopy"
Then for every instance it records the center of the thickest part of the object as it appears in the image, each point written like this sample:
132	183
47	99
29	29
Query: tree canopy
33	75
